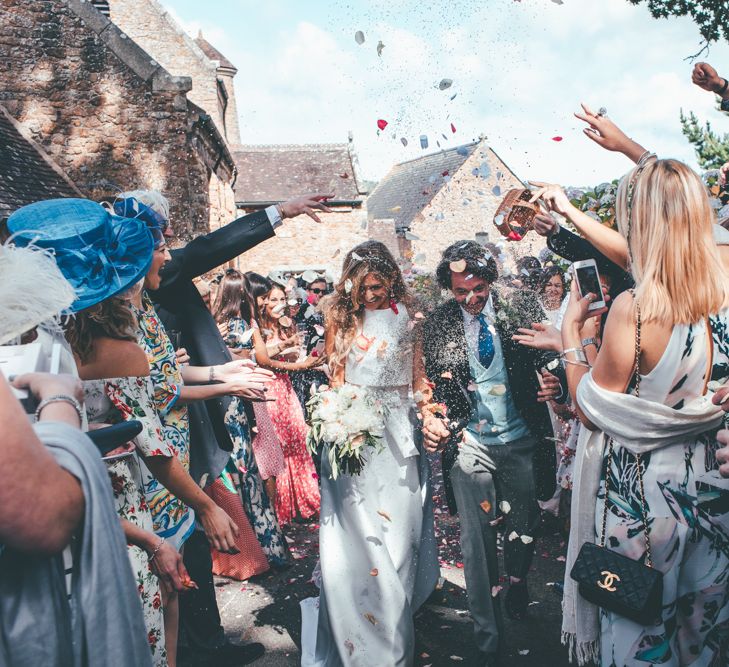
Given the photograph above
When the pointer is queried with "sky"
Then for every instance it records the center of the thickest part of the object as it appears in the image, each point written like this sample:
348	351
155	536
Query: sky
519	68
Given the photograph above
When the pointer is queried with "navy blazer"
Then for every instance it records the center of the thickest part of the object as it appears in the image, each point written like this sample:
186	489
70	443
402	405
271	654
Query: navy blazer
445	350
182	309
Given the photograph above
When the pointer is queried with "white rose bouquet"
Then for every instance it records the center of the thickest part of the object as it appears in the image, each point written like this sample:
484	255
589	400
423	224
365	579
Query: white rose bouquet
349	420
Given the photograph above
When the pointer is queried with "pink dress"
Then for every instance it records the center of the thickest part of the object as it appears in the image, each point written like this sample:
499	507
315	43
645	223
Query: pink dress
297	488
266	445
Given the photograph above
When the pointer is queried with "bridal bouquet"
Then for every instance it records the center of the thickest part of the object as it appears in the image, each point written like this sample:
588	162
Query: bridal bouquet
349	420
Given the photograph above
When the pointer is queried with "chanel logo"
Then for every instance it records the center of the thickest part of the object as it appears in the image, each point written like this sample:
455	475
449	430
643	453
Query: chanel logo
608	583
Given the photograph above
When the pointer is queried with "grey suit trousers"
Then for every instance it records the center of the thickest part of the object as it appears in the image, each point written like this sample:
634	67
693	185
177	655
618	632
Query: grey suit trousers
513	482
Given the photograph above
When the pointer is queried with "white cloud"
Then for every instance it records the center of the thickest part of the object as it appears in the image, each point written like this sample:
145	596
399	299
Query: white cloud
519	71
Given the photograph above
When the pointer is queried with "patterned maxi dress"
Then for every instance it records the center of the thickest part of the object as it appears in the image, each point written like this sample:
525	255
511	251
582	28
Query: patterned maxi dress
173	520
127	482
297	487
688	512
266	445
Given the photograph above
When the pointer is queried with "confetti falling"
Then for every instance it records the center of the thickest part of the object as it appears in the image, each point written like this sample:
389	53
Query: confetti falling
382	124
359	37
486	506
505	506
384	515
459	266
380	47
445	84
557	138
347	285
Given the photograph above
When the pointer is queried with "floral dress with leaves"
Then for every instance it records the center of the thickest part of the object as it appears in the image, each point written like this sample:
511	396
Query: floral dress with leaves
687	504
126	476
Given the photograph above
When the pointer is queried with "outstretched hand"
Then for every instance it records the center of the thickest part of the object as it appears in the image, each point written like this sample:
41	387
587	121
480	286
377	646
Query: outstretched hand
602	130
306	205
553	196
540	337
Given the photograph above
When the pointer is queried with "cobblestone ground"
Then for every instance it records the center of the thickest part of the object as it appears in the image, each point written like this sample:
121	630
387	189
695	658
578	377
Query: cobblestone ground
267	609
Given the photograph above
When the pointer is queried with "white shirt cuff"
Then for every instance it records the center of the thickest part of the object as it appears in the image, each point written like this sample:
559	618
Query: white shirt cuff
274	217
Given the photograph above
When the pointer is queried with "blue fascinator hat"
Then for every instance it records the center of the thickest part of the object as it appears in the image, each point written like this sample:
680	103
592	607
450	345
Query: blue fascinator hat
99	253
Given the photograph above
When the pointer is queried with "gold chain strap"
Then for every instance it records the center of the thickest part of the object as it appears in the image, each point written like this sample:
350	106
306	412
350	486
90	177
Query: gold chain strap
639	462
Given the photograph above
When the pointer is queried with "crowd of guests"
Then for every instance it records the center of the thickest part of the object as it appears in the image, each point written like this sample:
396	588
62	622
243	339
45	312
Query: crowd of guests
608	418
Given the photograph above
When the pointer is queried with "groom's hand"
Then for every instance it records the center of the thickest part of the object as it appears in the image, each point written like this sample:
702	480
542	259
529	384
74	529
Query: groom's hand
435	433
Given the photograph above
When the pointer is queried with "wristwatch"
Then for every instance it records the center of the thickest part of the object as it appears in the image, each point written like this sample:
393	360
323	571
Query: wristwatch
589	341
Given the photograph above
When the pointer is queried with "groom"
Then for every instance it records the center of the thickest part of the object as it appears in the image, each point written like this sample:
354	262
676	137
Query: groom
492	427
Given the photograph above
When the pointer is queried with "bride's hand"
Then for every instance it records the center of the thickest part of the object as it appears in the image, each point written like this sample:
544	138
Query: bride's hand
435	433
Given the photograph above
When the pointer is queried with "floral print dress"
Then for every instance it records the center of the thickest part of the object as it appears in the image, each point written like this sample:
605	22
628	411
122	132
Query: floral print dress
687	504
242	473
266	445
126	477
173	520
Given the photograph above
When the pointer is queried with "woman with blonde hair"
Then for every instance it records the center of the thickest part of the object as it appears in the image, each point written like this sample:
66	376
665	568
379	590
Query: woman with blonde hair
648	450
376	541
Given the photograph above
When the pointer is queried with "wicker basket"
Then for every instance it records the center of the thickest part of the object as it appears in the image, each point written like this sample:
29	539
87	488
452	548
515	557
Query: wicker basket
515	214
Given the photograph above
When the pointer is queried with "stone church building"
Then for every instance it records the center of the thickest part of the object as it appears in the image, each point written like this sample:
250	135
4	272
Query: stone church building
111	115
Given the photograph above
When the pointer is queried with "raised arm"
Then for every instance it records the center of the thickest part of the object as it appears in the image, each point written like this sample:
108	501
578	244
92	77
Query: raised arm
206	252
264	360
607	241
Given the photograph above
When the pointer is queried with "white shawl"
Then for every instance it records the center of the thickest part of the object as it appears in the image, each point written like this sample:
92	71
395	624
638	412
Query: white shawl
641	426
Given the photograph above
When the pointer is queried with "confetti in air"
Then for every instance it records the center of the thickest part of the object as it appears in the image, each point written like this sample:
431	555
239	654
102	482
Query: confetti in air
359	37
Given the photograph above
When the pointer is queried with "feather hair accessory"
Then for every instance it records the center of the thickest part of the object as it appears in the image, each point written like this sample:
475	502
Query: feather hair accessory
32	290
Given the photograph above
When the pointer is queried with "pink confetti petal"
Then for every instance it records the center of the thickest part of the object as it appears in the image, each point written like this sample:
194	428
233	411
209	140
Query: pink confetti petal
556	138
382	124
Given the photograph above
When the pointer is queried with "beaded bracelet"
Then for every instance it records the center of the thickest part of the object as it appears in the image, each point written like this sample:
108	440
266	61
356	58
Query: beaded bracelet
60	398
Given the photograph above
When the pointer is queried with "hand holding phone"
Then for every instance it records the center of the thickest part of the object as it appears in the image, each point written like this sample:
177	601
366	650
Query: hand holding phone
588	282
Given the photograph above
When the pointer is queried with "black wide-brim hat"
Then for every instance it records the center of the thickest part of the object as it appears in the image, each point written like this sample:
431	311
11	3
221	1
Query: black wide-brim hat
99	253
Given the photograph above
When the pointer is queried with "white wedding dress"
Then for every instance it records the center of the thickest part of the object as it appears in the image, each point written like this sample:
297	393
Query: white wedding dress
376	540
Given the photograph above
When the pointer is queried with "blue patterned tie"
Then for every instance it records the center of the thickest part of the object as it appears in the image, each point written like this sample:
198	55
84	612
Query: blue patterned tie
485	342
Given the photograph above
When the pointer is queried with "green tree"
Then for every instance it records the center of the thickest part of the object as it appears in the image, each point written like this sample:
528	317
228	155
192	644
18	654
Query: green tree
712	150
711	16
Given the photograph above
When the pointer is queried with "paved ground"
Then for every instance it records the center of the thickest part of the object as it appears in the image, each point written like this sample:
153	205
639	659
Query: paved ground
267	609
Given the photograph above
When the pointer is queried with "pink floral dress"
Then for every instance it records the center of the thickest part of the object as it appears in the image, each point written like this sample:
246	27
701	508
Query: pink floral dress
297	487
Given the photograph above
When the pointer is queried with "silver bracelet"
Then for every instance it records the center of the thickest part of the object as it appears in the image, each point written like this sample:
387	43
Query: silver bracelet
589	341
578	351
211	374
60	398
156	549
577	363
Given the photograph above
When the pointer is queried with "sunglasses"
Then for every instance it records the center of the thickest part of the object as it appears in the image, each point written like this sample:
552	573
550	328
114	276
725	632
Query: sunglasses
316	290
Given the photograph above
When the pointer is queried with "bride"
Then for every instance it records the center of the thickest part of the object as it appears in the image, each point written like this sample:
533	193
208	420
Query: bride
376	542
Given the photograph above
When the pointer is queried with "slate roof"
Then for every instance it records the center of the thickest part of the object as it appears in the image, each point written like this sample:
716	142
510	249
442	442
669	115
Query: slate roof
27	174
410	186
211	52
278	172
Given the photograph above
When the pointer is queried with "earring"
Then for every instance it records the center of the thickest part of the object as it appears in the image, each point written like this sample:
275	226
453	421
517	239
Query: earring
393	305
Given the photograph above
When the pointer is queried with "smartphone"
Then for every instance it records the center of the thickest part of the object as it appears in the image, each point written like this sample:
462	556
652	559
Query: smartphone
588	282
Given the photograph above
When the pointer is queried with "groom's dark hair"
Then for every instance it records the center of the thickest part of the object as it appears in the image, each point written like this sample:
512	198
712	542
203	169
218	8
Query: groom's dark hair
479	262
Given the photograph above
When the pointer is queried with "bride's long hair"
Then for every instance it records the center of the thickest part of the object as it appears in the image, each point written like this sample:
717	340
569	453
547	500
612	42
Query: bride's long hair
343	309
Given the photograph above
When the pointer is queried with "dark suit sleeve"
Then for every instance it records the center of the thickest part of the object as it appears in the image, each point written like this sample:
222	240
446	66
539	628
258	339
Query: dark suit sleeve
574	248
210	250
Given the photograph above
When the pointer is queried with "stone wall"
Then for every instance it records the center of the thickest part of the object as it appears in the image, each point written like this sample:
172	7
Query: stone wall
464	207
150	25
302	243
109	115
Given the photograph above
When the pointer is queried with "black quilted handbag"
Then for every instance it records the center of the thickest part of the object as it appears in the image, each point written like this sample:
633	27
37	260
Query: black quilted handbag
608	579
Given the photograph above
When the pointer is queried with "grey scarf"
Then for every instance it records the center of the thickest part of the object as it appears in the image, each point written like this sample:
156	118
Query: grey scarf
103	625
640	426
